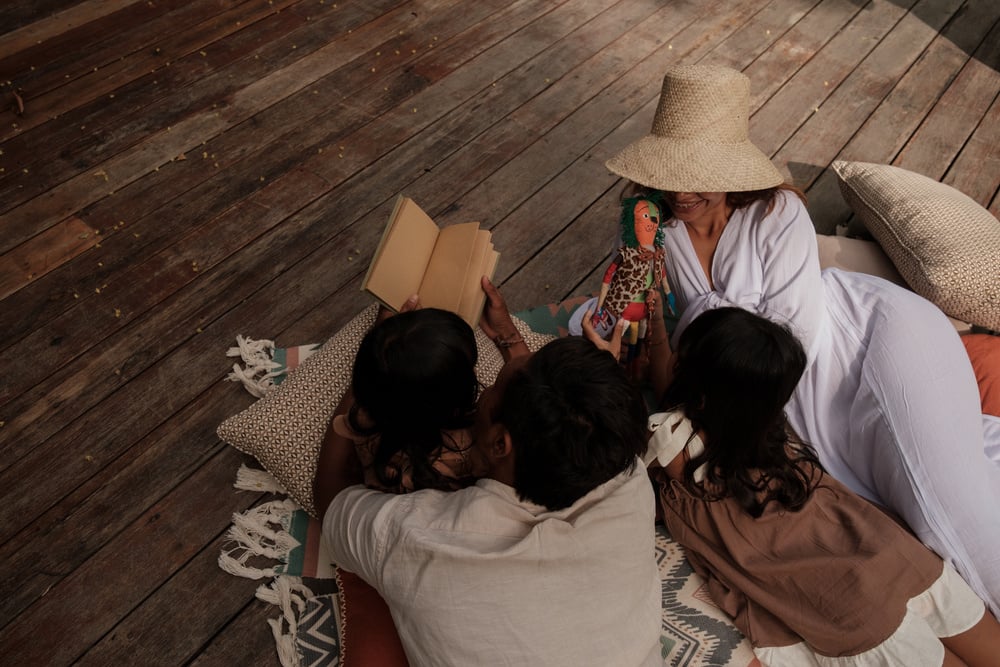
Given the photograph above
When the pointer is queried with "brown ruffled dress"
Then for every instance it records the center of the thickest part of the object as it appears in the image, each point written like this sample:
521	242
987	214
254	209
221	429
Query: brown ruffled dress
838	574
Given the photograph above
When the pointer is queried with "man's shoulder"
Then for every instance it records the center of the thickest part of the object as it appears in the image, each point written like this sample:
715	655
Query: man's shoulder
416	506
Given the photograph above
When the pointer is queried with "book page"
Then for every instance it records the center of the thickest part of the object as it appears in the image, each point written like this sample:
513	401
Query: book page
483	263
402	255
444	280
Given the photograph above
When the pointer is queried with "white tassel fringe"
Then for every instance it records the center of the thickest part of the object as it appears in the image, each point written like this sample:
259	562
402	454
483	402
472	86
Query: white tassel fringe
290	594
259	370
254	479
261	531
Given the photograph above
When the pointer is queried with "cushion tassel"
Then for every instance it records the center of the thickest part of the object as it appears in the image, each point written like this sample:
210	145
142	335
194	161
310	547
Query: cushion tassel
255	479
290	594
259	369
252	535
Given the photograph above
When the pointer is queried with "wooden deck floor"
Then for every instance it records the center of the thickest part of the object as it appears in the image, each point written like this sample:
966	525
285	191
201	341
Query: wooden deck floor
187	170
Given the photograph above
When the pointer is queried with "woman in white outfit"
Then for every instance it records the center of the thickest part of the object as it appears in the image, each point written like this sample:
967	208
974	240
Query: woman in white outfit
889	399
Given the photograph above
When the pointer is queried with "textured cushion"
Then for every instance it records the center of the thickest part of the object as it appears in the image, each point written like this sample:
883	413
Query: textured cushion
984	353
284	429
945	245
864	257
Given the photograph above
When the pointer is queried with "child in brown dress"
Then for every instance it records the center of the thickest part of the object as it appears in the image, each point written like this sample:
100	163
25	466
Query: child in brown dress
810	572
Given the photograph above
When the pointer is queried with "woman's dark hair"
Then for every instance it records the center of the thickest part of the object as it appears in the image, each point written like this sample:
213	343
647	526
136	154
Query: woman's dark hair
733	199
414	376
575	420
733	375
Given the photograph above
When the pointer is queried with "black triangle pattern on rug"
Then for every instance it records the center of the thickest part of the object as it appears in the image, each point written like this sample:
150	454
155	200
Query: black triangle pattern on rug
691	637
318	636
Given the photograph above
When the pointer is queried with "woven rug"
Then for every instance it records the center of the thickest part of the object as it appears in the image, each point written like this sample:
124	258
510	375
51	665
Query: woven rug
279	541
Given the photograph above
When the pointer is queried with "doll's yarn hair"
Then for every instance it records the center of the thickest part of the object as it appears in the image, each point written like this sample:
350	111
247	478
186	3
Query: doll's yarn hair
414	376
628	219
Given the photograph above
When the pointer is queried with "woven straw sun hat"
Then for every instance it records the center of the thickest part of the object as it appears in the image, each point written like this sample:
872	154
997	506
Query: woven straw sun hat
699	141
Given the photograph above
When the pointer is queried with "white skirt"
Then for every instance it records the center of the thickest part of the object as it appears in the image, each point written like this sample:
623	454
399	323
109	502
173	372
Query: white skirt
949	607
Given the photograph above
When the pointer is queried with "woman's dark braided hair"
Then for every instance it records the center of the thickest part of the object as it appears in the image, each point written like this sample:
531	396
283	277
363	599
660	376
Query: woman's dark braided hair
734	373
414	376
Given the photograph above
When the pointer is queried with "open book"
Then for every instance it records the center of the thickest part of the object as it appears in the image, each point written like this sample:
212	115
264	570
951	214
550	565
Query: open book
443	265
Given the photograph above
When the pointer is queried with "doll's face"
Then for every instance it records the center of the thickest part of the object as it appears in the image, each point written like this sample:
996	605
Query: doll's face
647	220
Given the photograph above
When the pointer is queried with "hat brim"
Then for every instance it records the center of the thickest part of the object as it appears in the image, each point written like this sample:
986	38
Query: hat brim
673	165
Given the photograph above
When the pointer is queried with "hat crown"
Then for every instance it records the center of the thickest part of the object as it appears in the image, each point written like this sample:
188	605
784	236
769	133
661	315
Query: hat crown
700	137
703	103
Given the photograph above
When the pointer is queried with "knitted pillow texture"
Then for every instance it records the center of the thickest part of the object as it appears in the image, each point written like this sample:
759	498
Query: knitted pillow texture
944	244
284	430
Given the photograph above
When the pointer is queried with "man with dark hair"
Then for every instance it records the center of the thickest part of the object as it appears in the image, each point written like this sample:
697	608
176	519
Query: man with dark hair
575	423
549	560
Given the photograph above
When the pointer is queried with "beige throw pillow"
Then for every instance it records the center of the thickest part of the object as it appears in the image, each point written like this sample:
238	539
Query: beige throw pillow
945	245
284	429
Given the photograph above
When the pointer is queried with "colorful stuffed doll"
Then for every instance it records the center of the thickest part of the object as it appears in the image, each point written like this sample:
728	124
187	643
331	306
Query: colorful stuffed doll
637	269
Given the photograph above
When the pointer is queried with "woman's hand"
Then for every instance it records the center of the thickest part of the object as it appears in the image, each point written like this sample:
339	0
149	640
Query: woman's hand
412	303
614	346
496	319
498	325
661	357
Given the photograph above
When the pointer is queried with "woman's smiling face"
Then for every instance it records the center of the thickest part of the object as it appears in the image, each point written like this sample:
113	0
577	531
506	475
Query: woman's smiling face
694	207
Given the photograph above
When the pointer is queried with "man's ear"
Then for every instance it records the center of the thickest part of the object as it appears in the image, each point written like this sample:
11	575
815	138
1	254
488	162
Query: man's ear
501	455
503	446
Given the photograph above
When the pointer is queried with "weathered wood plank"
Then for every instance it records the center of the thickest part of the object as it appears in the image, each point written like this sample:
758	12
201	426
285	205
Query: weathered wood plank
59	60
118	492
976	170
203	76
246	641
554	270
248	158
802	94
50	249
891	124
239	277
123	250
501	189
795	48
128	569
103	82
23	28
957	113
820	138
196	598
751	41
70	532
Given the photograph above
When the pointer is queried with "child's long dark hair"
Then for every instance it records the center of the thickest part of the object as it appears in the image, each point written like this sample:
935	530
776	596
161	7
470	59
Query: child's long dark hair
414	376
734	373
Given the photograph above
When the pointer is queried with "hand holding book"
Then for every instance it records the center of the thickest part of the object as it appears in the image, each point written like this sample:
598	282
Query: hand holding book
444	266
